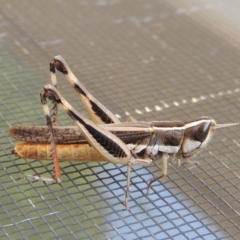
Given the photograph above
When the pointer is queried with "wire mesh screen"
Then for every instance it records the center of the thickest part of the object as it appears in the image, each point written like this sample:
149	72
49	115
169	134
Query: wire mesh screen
149	59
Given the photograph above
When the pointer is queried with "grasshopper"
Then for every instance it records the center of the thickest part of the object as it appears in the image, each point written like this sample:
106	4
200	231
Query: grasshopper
106	138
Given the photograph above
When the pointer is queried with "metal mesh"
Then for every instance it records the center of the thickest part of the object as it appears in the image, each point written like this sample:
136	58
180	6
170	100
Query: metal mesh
147	59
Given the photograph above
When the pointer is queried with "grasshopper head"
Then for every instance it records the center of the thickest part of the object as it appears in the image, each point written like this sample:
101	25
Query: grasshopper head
198	134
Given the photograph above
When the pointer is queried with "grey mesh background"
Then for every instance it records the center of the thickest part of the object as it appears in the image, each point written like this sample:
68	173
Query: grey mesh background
153	60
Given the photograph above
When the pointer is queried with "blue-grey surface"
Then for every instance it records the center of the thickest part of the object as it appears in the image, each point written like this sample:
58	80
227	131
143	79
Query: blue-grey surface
153	60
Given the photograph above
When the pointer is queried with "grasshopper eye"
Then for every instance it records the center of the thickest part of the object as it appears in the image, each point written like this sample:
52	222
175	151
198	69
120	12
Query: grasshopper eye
202	130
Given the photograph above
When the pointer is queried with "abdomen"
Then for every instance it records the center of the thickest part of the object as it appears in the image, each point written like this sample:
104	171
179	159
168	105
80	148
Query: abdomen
65	152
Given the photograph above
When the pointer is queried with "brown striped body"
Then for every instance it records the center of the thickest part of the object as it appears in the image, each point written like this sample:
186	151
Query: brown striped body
144	140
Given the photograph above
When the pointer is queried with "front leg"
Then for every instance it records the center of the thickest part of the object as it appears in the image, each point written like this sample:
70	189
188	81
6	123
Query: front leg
164	158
